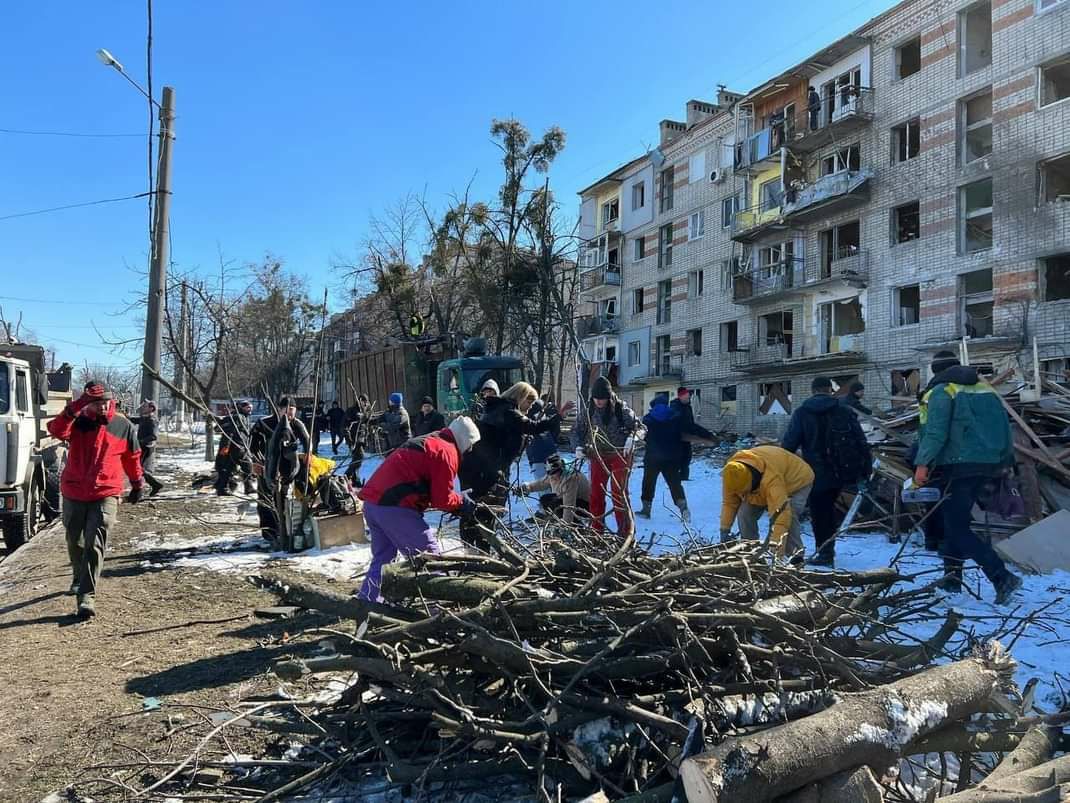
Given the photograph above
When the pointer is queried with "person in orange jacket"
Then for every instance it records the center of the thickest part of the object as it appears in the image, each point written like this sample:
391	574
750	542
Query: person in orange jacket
766	479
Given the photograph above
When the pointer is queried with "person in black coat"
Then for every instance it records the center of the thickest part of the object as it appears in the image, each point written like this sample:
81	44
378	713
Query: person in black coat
665	431
148	428
428	420
681	405
854	398
811	429
336	417
259	442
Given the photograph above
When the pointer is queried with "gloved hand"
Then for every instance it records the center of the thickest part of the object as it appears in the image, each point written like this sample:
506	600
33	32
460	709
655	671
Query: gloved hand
135	495
921	475
467	508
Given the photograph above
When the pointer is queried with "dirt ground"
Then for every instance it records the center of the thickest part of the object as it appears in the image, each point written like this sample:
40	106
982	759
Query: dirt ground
138	682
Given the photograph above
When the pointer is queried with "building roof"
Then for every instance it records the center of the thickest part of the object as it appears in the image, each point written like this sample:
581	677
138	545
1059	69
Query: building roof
808	68
616	175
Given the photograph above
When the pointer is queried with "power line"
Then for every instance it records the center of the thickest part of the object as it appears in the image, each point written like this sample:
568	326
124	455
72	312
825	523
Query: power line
76	206
63	133
55	301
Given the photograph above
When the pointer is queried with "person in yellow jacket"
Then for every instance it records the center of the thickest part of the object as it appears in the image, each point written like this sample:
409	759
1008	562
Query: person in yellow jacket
766	478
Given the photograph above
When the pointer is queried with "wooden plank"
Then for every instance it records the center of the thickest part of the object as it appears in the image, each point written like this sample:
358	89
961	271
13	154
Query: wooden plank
1028	431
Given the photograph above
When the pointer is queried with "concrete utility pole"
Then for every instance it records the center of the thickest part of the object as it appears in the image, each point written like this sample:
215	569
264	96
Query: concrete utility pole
161	241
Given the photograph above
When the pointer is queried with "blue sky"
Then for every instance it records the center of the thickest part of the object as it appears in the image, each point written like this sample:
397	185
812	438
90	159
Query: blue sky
296	121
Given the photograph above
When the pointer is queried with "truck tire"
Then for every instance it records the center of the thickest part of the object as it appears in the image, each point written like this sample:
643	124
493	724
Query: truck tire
21	527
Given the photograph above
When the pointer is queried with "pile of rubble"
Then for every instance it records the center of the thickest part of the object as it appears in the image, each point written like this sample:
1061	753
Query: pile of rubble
573	665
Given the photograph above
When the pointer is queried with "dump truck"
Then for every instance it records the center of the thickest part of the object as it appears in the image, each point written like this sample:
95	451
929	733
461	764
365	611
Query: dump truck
31	460
421	369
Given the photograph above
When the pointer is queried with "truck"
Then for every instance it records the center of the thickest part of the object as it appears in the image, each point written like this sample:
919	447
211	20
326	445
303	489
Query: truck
421	369
31	460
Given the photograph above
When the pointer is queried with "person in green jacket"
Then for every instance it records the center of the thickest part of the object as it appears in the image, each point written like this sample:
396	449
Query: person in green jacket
964	442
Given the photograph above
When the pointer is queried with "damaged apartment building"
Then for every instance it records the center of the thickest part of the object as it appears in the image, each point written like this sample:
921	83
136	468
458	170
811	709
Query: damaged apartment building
904	190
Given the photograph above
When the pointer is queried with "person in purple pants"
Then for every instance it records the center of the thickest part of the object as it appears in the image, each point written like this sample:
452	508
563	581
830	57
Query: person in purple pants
418	475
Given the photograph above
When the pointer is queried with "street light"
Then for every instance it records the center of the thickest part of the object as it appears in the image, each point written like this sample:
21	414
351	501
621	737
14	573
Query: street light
161	237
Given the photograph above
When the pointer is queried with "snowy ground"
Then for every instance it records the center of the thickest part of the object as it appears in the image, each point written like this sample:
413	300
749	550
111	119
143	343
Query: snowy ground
1036	626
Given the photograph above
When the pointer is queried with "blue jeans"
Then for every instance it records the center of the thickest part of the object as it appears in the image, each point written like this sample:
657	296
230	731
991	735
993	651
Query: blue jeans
957	540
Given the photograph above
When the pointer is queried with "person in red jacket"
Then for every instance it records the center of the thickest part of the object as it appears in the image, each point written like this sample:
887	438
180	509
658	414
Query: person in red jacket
418	475
103	447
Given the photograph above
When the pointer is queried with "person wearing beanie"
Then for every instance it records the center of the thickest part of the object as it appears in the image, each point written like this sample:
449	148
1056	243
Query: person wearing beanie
681	405
148	427
429	419
964	443
102	447
766	479
835	447
854	397
664	455
489	388
605	433
395	422
417	476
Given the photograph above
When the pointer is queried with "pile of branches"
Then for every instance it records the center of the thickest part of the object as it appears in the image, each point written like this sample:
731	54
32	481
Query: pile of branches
565	669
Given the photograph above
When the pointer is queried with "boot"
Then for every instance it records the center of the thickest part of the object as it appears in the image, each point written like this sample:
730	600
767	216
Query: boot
823	557
644	511
87	608
1006	587
155	486
685	514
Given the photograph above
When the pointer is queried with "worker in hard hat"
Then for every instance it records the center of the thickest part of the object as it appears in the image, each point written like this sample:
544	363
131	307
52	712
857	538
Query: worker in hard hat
766	478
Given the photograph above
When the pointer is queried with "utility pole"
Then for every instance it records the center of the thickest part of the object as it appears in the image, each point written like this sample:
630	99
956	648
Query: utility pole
161	241
180	359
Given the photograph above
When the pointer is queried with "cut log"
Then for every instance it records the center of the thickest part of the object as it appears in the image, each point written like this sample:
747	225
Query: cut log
854	786
309	596
1035	748
399	581
869	728
1040	784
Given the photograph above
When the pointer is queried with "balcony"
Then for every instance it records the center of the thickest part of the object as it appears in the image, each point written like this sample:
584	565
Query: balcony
799	353
591	325
759	149
794	276
607	276
749	224
839	116
827	196
667	366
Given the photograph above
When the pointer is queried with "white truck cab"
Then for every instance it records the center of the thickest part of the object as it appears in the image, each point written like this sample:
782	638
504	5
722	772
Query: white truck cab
30	458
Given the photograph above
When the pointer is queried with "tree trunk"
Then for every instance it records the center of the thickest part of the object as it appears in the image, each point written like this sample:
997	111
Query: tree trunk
400	581
856	786
1040	784
1035	748
869	728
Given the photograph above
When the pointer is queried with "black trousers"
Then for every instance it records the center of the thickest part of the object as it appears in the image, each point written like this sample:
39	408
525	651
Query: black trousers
825	518
148	455
265	511
337	437
670	470
685	465
950	529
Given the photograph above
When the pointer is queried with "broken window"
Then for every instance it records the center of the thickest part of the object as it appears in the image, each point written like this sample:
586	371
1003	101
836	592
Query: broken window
665	246
975	216
906	305
771	194
1055	277
695	283
694	342
906	140
975	126
840	322
905	385
848	158
610	212
906	223
975	303
774	398
908	58
729	336
665	301
728	400
1054	176
1055	81
668	175
776	329
664	354
638	248
975	38
635	353
1056	370
637	300
841	242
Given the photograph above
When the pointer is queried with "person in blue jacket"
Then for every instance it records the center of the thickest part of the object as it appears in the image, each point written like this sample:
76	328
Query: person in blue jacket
664	453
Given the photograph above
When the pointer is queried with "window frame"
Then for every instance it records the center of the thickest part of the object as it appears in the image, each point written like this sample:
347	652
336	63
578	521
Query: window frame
905	126
1063	59
724	338
638	344
607	212
839	166
1041	9
667	179
638	295
732	204
779	196
639	188
897	306
965	128
638	249
960	37
696	225
694	337
665	245
664	303
964	216
895	217
696	283
965	299
1042	183
897	55
22	391
1042	277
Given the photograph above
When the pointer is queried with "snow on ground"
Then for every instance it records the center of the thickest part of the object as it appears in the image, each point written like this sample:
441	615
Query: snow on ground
1039	642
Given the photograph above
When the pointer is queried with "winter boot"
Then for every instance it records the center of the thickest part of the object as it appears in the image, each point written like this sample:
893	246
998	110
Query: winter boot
155	487
823	557
685	514
1006	587
644	511
87	608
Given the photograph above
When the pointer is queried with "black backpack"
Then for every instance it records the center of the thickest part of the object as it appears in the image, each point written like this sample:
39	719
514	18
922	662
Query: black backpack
847	453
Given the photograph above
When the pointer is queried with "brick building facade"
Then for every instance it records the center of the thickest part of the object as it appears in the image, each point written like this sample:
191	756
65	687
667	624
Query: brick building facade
918	196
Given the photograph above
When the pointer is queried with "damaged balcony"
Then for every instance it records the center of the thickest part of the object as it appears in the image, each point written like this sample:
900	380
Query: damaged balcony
844	110
826	196
607	276
749	224
800	353
793	276
597	325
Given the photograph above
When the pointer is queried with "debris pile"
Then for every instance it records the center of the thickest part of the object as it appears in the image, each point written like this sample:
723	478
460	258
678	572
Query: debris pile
585	666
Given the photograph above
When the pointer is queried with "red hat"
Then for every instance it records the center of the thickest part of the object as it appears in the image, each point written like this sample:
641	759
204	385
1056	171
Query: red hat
682	391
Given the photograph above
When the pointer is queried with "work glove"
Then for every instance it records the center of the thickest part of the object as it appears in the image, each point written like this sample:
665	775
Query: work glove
921	475
135	494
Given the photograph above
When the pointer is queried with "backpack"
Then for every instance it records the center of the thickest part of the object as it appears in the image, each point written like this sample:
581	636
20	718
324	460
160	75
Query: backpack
846	450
